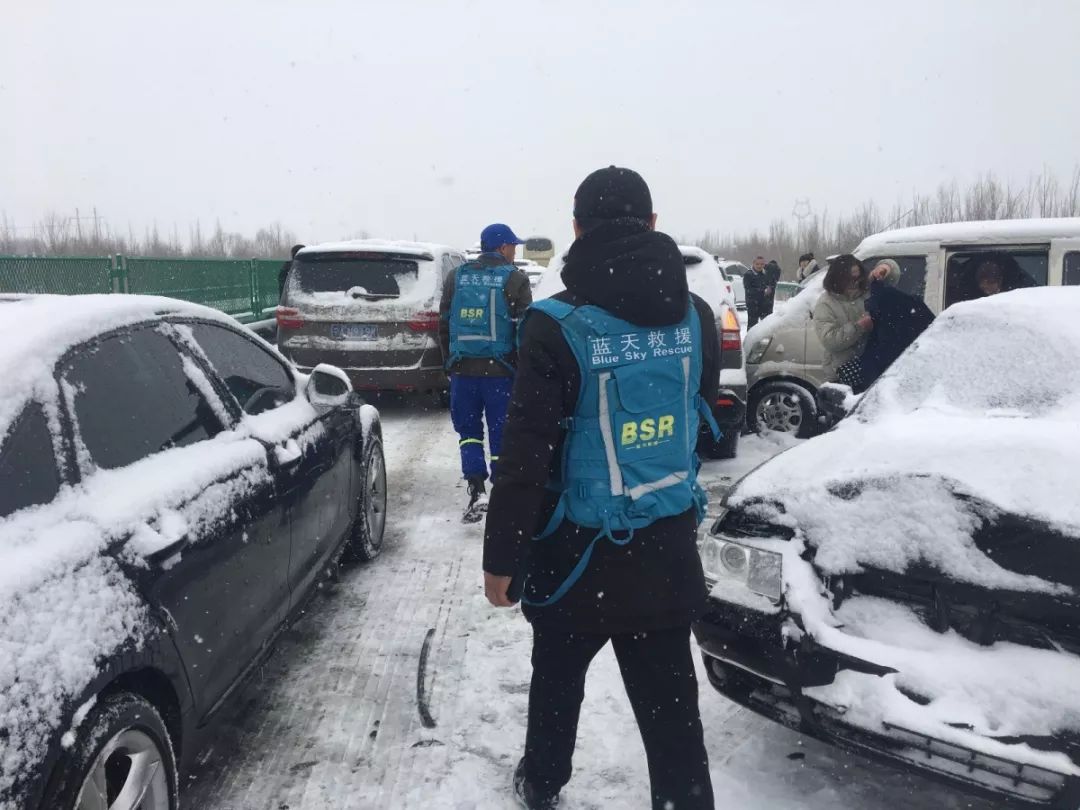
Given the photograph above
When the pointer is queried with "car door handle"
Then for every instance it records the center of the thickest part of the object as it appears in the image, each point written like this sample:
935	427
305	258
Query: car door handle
288	454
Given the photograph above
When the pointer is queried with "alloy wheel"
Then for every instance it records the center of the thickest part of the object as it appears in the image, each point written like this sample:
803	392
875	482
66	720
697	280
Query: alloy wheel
128	774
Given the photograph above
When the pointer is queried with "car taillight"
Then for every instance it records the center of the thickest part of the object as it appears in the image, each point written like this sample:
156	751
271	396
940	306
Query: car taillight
289	318
425	322
730	333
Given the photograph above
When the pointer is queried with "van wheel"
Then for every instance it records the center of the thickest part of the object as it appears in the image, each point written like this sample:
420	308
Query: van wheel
122	757
781	407
369	526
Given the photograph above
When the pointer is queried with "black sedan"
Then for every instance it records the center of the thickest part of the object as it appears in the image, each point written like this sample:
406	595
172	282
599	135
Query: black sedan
908	585
171	493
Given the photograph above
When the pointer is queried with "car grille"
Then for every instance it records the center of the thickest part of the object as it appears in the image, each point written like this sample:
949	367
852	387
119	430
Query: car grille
979	615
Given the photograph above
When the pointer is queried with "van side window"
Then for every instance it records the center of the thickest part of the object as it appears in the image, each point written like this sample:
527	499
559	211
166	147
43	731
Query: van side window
28	474
1070	277
971	274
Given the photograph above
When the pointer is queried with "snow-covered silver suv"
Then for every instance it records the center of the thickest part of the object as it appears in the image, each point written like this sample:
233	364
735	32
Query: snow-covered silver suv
370	307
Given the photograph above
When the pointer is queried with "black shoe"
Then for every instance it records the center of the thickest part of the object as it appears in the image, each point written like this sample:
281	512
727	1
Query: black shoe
476	489
478	501
527	796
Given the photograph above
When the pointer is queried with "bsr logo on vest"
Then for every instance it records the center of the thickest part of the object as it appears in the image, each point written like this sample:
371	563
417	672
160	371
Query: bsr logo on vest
648	430
472	313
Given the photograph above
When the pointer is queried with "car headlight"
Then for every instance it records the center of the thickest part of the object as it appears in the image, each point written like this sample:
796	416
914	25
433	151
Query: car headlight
760	571
759	349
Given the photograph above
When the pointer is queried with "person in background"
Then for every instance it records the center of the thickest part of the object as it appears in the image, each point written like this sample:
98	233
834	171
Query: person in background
482	301
897	319
754	284
611	566
283	273
807	267
840	317
772	278
990	278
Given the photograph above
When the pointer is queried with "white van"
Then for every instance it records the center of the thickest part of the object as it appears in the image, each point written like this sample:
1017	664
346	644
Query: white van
784	356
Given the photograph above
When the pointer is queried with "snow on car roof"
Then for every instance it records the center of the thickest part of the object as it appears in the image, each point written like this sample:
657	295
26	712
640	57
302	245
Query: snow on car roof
992	231
402	247
37	330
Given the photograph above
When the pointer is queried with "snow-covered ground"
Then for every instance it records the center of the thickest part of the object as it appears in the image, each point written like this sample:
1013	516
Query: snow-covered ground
331	720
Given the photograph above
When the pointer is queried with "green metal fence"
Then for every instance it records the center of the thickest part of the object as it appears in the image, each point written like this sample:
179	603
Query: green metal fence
244	288
67	275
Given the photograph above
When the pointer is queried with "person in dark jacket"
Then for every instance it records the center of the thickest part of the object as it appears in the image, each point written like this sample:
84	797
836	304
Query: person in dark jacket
283	273
772	278
760	286
482	370
896	320
641	596
807	267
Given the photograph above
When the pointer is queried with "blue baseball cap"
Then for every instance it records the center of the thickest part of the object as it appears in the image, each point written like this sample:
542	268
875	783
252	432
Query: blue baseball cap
495	236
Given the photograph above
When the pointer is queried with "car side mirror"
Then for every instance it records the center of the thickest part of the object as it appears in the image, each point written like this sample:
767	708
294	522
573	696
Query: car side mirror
329	387
836	401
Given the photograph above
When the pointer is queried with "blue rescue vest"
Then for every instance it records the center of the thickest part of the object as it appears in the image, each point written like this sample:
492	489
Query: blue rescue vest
480	322
629	457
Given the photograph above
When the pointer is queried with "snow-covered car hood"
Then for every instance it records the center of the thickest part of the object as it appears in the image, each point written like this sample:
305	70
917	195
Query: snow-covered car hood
972	439
904	491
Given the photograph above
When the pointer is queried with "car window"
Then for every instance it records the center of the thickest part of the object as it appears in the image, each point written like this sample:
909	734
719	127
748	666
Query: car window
133	399
449	264
1071	275
1023	267
28	474
372	274
912	273
257	379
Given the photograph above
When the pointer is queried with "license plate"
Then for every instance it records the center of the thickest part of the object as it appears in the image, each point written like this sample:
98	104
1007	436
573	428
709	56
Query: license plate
353	331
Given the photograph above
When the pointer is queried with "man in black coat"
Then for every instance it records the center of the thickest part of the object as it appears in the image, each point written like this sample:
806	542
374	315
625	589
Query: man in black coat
759	292
642	596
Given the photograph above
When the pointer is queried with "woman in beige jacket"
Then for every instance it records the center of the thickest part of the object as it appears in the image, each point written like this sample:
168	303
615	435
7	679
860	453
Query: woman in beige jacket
840	314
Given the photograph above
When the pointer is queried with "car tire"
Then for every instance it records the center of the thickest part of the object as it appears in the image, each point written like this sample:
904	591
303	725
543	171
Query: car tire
369	525
781	407
727	447
122	744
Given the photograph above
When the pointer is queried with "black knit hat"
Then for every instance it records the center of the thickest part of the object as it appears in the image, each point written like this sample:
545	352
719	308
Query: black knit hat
612	193
806	257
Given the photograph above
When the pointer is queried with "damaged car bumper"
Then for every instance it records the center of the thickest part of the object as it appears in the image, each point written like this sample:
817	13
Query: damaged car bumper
749	660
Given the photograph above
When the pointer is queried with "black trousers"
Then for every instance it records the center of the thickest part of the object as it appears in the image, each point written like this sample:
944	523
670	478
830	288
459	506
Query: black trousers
658	673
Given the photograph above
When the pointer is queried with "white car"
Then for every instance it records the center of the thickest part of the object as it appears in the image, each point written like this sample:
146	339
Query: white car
534	270
734	272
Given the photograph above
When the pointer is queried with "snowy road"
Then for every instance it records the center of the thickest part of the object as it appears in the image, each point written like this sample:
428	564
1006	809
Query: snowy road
331	721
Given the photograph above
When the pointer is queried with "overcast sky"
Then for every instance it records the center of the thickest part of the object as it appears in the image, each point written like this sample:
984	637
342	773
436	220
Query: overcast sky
434	119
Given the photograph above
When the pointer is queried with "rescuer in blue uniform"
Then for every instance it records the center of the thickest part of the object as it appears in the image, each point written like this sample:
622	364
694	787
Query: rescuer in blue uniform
598	465
481	304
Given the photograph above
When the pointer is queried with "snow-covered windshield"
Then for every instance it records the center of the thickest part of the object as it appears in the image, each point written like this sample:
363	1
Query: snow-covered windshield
334	273
1011	355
